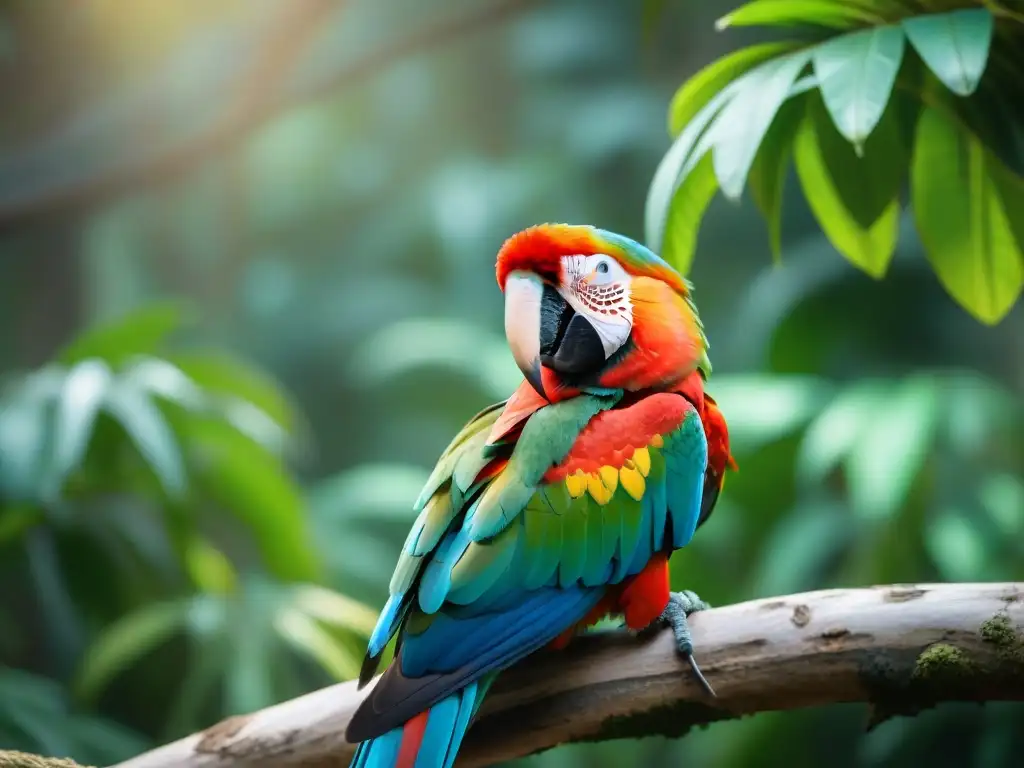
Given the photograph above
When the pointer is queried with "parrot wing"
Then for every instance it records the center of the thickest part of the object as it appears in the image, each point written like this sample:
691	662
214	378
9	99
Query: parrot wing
719	456
517	542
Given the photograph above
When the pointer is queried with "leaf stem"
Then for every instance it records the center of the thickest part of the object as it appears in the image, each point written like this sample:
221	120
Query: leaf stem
1000	12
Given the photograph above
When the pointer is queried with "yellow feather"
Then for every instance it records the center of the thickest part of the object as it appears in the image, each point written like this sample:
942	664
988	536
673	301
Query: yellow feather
600	492
633	482
642	459
576	483
610	477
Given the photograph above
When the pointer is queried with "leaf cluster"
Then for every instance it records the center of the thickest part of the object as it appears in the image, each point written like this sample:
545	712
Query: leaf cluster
890	104
168	464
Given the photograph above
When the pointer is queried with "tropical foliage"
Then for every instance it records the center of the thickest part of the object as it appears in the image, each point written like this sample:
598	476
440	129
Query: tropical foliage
882	96
188	532
161	460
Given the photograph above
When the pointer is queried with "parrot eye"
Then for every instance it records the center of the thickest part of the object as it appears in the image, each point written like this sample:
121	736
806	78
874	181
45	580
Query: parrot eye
602	267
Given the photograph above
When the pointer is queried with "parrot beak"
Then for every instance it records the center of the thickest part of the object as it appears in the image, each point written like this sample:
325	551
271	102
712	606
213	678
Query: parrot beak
524	292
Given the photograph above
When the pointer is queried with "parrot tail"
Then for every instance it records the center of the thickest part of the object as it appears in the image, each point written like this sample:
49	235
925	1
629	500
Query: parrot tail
429	740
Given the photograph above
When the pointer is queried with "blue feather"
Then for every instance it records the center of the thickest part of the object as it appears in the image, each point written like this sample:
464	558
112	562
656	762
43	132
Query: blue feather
657	507
381	752
685	453
447	722
495	639
472	697
387	623
437	576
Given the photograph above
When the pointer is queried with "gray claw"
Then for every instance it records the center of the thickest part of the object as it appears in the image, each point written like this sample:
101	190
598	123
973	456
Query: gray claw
680	605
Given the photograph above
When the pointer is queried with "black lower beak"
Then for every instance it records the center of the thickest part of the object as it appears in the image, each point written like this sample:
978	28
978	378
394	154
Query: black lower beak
569	344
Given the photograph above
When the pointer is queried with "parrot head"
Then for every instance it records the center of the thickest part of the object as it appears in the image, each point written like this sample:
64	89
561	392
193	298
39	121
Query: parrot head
587	308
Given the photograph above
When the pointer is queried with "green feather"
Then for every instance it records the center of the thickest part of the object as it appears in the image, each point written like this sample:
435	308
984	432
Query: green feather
481	565
611	517
632	512
574	534
543	543
546	439
405	573
432	522
473	457
456	450
655	497
418	622
596	562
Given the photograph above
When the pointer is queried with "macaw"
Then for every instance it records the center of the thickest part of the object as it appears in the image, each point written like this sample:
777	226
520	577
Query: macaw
560	506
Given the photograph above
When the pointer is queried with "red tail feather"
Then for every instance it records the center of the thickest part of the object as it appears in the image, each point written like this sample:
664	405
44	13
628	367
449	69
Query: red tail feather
412	738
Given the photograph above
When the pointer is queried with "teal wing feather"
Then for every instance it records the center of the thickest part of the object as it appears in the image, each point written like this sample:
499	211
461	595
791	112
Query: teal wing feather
438	505
498	567
590	528
450	498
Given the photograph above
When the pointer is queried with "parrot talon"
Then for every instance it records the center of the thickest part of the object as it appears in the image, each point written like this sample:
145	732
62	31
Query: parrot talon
680	605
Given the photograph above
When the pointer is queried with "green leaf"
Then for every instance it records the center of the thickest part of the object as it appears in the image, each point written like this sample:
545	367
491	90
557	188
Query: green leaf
307	636
669	173
685	213
744	121
208	567
956	546
25	434
137	333
787	13
122	643
996	116
800	549
892	448
855	200
148	429
984	410
394	352
954	45
832	435
1002	497
762	408
1011	193
225	374
856	73
962	219
369	491
767	179
165	380
696	92
81	398
254	486
334	608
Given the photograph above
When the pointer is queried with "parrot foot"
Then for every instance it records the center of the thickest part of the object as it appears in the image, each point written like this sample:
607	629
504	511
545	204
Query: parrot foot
680	605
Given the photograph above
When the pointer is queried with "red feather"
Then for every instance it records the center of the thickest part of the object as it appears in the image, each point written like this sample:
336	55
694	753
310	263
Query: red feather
412	739
524	403
539	249
611	437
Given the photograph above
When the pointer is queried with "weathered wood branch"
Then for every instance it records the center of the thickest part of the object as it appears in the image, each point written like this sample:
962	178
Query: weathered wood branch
899	649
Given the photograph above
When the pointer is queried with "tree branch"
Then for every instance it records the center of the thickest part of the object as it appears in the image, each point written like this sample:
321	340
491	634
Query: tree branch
900	649
284	38
259	98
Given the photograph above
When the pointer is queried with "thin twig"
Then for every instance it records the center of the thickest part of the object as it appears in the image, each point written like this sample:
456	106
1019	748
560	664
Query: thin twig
259	101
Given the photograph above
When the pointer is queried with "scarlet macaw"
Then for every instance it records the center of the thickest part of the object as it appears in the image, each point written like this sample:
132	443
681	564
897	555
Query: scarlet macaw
559	506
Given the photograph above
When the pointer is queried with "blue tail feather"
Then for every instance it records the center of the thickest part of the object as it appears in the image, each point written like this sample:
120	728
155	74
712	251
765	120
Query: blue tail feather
446	727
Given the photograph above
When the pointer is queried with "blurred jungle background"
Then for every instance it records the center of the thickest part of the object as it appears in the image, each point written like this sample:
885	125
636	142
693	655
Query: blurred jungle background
247	295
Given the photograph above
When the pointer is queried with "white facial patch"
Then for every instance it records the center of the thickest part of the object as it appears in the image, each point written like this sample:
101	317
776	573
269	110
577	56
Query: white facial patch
598	287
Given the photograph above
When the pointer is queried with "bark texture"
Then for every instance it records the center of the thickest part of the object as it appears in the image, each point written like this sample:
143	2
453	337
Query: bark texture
899	649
